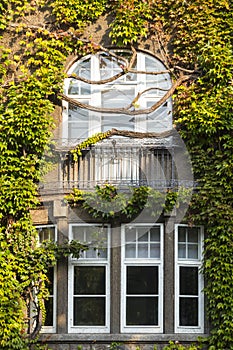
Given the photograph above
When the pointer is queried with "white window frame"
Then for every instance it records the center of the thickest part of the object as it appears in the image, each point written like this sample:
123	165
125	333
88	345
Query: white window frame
51	329
185	262
142	262
89	262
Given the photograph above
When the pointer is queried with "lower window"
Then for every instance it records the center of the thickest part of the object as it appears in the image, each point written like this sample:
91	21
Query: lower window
89	296
49	233
142	287
89	281
189	301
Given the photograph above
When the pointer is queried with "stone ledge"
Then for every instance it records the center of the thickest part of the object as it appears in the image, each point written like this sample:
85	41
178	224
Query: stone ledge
126	338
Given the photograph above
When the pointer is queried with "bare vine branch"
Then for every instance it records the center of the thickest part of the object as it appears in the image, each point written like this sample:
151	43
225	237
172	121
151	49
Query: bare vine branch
128	110
141	135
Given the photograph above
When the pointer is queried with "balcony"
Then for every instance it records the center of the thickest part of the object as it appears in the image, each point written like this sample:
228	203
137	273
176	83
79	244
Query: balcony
122	162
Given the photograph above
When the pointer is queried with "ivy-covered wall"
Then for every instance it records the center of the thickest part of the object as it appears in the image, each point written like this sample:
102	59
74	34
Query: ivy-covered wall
37	37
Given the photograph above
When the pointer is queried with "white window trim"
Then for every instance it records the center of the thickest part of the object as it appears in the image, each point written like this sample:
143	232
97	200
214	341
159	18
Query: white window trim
141	262
191	263
88	262
53	328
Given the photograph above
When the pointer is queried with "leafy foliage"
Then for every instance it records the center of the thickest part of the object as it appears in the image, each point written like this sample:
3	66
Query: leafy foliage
130	21
77	151
200	35
78	12
108	202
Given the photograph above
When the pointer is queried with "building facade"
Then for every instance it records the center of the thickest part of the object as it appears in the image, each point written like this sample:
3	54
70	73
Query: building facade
139	283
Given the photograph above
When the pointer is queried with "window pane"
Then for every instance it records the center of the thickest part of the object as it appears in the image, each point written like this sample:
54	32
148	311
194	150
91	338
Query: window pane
102	253
89	280
121	122
155	234
188	311
78	121
188	280
78	88
193	251
155	250
142	236
91	253
89	311
130	234
143	250
130	251
50	275
141	311
142	280
49	312
182	234
78	233
49	302
182	251
193	234
46	233
114	97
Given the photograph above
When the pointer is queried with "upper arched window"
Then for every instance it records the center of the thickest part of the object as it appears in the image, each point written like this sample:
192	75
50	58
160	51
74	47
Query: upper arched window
114	94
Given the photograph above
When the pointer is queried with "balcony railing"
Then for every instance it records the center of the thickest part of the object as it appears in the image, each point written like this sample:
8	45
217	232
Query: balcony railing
122	164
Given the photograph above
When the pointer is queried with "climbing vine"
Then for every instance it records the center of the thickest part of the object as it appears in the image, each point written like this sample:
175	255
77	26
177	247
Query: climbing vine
108	202
195	35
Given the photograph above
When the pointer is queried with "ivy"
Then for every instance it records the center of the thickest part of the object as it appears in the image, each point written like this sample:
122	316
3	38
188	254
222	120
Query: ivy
78	12
199	34
77	151
130	21
108	202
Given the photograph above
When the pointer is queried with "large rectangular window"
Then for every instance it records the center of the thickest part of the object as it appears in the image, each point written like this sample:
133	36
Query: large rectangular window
89	280
49	233
142	284
189	300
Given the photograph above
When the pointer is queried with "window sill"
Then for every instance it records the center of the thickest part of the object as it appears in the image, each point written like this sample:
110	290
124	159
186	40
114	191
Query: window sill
128	338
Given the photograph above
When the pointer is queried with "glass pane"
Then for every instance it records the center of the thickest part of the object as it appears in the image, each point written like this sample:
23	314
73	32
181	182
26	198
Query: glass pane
46	233
119	121
143	250
181	234
182	251
188	280
142	236
117	96
155	250
130	251
78	114
77	131
89	311
78	122
193	251
49	312
83	68
193	234
91	253
155	234
89	280
49	284
142	280
78	88
102	253
188	312
141	311
85	89
130	234
78	233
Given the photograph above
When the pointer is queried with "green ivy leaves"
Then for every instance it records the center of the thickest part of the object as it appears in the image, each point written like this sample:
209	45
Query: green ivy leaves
130	21
108	202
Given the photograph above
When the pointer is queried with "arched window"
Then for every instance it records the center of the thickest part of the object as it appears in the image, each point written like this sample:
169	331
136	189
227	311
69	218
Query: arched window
112	96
